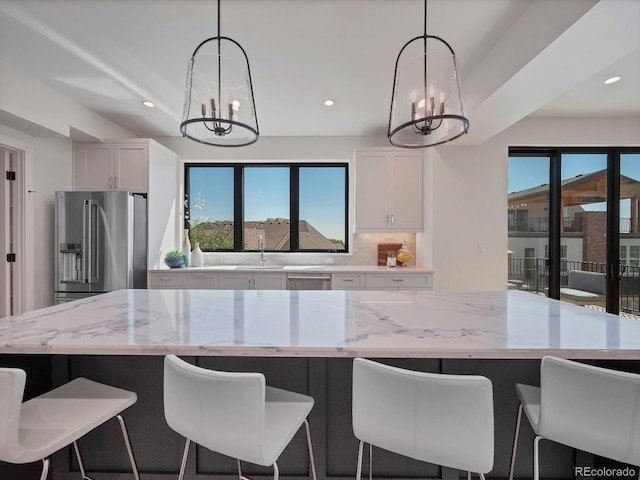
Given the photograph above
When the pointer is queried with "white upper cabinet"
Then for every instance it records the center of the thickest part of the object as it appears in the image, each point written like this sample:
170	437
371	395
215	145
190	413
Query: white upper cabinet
111	166
389	190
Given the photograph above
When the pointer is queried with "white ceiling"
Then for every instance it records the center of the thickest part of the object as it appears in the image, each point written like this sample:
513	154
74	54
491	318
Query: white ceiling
516	57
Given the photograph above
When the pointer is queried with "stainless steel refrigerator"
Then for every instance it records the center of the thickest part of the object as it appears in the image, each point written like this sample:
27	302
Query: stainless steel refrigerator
101	243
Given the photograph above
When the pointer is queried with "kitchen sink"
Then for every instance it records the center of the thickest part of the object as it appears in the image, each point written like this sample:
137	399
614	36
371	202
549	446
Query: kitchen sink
259	267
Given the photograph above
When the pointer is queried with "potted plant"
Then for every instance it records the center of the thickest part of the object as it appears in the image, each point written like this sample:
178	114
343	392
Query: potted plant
175	259
391	258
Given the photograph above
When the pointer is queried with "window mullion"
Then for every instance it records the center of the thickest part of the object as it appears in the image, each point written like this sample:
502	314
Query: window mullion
238	208
294	207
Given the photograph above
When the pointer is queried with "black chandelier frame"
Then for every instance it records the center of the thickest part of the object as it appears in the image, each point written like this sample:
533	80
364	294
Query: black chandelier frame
427	124
217	122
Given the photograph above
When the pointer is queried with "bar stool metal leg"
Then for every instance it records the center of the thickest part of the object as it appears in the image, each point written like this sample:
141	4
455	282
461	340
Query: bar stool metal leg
45	469
183	464
515	443
359	466
79	458
536	464
127	443
311	457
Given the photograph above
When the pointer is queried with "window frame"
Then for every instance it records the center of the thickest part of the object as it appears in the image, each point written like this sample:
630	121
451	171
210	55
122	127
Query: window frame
294	203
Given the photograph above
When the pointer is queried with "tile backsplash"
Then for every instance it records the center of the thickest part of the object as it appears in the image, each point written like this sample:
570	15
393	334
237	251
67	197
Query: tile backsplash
365	250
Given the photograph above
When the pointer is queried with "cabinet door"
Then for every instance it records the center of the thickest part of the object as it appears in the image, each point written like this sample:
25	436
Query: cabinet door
269	281
235	281
93	167
371	190
131	167
405	190
389	191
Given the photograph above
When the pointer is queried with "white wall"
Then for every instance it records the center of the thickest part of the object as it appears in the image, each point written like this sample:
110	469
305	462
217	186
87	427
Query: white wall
51	173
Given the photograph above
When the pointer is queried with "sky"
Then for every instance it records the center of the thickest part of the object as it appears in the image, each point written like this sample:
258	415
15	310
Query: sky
267	195
528	172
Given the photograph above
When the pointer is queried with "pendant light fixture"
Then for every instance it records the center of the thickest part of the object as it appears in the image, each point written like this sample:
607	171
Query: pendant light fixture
219	108
427	108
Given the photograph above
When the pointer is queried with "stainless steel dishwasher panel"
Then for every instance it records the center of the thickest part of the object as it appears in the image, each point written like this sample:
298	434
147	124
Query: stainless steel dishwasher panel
308	281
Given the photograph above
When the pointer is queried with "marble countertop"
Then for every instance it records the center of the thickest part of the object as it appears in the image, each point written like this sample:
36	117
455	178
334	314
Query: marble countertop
333	323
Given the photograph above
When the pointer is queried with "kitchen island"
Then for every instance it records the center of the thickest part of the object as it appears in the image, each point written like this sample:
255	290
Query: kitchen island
402	324
304	341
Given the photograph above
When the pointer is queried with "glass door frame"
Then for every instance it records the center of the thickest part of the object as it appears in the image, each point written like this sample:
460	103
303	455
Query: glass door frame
554	155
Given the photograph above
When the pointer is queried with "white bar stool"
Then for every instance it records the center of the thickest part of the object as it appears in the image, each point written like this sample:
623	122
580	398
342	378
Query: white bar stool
33	430
234	414
589	408
442	419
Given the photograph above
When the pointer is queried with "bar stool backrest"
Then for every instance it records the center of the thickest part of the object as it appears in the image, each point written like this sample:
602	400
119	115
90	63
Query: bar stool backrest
222	411
442	419
12	382
591	408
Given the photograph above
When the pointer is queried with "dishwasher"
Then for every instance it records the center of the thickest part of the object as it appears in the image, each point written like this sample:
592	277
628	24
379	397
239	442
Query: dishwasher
308	281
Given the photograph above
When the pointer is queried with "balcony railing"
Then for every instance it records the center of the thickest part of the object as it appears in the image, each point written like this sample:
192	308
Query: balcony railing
569	224
532	274
541	224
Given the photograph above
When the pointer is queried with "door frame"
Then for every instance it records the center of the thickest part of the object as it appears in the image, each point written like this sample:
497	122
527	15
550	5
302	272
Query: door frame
13	231
612	260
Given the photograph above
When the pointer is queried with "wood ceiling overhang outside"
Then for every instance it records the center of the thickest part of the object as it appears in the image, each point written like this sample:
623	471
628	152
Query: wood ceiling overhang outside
580	190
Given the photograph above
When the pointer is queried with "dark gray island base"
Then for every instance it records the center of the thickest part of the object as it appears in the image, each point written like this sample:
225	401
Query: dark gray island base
327	380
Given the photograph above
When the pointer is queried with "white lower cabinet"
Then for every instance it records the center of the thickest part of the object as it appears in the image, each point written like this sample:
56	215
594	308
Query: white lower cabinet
399	281
278	281
252	281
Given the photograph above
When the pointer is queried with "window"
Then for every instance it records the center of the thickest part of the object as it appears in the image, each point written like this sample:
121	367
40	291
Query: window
282	207
563	251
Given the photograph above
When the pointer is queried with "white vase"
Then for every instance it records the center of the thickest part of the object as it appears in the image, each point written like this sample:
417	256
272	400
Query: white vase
197	259
186	246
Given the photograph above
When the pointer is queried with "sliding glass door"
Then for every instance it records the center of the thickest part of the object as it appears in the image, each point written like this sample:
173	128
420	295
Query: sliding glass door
629	242
528	223
583	228
574	225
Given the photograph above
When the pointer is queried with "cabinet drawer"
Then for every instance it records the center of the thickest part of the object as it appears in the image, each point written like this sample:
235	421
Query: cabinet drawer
204	281
398	281
164	280
341	281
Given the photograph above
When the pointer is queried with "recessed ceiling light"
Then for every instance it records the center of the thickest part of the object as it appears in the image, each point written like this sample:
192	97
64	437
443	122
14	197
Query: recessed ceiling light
611	80
149	104
328	103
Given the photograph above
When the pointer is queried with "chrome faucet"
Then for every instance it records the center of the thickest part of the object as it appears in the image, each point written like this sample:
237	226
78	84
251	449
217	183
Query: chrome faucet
261	247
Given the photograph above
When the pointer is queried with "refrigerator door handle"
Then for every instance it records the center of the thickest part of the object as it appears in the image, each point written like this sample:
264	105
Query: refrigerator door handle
89	238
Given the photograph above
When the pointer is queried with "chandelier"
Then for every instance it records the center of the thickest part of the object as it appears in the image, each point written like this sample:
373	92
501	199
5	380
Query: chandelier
427	108
219	107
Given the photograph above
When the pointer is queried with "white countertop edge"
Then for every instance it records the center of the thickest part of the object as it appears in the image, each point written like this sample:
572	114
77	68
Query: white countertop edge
309	352
298	269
